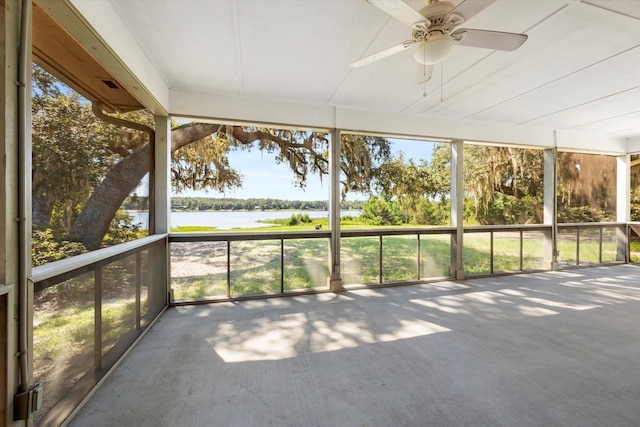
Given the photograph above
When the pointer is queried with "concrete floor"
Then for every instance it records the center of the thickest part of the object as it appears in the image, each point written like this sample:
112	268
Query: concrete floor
544	349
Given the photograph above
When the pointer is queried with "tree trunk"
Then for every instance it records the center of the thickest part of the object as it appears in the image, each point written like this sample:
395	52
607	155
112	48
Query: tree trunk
42	206
93	222
95	218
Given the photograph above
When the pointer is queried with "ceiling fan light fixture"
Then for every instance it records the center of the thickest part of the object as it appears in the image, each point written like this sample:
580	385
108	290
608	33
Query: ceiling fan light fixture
434	50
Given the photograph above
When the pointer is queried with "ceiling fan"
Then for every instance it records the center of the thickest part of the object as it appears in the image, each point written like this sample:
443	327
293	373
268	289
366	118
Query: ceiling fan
436	33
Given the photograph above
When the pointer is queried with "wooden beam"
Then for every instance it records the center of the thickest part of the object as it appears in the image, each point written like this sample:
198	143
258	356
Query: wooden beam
60	54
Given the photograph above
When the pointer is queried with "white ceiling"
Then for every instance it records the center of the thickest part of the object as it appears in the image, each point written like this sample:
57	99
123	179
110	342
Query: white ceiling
578	71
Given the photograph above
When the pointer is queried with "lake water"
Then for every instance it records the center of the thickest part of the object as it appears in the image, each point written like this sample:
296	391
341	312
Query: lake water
229	220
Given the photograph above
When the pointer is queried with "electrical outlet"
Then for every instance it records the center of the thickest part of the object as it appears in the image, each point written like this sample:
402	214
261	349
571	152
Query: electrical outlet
27	402
37	396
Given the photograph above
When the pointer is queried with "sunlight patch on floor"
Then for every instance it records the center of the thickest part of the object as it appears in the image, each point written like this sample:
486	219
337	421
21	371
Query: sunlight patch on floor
277	339
535	311
559	304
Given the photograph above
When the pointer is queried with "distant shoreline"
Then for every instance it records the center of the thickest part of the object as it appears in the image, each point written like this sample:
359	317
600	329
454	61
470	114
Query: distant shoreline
231	219
252	210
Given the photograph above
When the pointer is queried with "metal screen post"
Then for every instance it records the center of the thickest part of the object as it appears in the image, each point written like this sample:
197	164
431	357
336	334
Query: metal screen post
623	206
380	260
138	288
577	245
97	327
457	209
521	251
491	252
418	258
600	246
228	268
550	208
622	240
334	281
281	265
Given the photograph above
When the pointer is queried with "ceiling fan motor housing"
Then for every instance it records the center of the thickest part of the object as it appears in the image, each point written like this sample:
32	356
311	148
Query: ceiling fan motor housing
435	43
437	10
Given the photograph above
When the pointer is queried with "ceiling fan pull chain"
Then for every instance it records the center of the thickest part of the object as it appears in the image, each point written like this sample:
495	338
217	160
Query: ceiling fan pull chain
424	80
442	81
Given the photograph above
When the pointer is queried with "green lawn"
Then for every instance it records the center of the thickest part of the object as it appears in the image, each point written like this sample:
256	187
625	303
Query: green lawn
255	265
64	327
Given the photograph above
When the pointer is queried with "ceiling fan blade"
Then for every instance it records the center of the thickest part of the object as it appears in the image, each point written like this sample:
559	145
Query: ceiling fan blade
424	74
382	54
469	8
400	11
496	40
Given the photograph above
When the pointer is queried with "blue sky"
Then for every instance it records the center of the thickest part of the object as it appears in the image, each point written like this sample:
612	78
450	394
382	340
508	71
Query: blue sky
262	177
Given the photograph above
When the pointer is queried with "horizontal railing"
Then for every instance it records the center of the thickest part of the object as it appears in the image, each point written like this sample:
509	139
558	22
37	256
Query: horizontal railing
393	261
5	289
595	243
241	235
578	244
505	258
236	267
57	271
211	273
88	310
403	231
376	256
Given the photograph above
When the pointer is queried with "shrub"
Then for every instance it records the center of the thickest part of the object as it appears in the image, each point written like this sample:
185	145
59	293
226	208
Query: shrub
377	211
47	249
300	218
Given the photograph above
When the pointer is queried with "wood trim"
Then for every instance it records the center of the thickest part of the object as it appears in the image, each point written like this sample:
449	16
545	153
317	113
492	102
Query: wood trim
82	59
60	54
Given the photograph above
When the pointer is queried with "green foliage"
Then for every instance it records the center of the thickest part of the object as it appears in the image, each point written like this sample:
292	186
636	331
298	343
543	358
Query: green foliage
45	248
586	187
73	151
432	212
297	221
350	220
406	183
502	185
204	165
68	147
415	190
635	187
506	209
573	214
440	169
377	211
361	159
122	229
299	218
635	211
136	203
